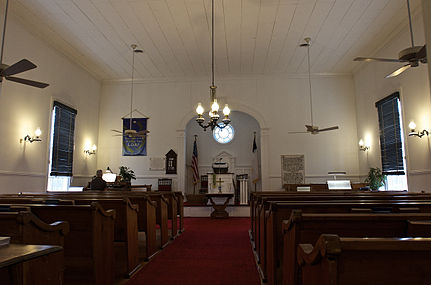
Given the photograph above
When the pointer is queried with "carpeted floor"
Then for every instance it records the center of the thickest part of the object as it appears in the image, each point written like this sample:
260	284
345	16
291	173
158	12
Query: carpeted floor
210	252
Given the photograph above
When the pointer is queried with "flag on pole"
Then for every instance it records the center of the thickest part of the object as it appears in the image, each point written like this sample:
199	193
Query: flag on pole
195	168
255	162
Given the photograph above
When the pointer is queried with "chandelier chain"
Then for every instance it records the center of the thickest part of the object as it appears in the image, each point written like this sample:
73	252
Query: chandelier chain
212	42
309	83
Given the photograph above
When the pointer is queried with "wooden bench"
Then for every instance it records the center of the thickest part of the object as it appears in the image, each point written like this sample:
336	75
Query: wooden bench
306	228
258	205
261	204
24	227
146	215
356	261
88	248
279	211
126	253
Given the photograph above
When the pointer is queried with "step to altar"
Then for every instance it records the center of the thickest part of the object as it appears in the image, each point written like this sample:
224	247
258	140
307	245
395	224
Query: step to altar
205	211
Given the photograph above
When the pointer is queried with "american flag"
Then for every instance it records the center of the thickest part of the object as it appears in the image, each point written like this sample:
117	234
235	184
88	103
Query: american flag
195	168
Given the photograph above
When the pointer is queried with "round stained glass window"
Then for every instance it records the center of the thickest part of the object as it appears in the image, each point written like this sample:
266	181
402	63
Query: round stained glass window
223	135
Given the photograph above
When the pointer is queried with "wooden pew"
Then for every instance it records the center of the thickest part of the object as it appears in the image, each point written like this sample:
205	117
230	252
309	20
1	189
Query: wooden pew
88	248
260	206
146	214
24	227
279	211
306	228
357	261
176	207
262	203
126	254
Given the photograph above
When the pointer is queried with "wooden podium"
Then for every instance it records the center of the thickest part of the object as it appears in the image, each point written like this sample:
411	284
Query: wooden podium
219	209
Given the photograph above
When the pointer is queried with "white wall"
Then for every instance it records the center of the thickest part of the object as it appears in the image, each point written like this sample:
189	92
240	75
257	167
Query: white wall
278	103
240	147
24	167
413	85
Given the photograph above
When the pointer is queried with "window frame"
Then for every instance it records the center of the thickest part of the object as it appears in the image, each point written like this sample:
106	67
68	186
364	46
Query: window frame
390	135
61	161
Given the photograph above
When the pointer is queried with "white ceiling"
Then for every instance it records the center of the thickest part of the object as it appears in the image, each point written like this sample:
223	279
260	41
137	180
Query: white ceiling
252	36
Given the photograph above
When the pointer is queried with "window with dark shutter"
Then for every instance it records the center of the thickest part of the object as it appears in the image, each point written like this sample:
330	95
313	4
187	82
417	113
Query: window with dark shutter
62	140
390	135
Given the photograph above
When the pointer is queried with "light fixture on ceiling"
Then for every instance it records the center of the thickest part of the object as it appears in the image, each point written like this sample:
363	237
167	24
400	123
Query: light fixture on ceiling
312	129
35	138
414	133
213	114
131	132
363	146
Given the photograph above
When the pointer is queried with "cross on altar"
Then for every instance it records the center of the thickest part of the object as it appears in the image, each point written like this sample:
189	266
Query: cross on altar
219	184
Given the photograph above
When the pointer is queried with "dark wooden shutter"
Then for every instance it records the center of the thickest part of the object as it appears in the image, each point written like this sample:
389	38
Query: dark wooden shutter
390	135
63	140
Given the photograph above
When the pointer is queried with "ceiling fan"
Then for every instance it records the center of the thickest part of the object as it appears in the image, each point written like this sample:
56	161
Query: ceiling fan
411	55
6	71
131	132
312	129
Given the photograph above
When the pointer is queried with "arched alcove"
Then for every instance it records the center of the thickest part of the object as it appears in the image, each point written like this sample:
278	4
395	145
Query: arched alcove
240	148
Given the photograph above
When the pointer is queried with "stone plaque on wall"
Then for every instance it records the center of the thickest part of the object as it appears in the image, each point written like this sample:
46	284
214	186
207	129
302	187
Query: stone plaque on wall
292	169
157	163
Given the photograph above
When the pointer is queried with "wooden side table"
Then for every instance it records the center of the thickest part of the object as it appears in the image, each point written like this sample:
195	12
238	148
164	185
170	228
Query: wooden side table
219	209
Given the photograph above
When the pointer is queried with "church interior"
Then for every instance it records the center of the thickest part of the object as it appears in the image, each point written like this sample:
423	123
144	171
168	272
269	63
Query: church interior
117	167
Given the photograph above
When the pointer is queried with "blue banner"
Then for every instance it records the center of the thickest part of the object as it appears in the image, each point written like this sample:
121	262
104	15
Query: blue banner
135	144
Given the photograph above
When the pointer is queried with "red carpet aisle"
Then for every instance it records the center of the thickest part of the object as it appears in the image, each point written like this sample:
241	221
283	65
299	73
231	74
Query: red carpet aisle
209	252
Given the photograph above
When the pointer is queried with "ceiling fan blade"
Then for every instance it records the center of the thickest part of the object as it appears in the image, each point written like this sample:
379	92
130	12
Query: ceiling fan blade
329	129
370	59
27	82
20	66
117	131
399	71
144	132
422	54
297	132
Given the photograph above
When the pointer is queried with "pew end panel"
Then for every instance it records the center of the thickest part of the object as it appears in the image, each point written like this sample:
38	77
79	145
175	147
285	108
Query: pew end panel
354	261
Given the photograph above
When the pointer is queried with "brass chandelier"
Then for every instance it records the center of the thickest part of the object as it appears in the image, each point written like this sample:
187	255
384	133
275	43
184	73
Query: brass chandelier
213	114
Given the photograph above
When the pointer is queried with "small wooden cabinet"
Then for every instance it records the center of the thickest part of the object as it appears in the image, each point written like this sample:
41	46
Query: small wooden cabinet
171	162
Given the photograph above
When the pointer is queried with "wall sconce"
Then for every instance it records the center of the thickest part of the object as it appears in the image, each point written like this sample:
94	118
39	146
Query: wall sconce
413	132
362	146
35	138
91	151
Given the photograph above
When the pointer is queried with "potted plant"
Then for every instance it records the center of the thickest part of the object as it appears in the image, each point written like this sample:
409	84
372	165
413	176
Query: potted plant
375	178
126	175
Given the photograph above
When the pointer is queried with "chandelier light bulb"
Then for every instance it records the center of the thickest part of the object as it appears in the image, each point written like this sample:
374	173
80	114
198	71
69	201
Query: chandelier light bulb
412	125
361	142
226	110
215	106
200	110
94	148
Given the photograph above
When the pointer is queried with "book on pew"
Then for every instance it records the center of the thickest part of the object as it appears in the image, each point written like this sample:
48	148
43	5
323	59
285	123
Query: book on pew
4	241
